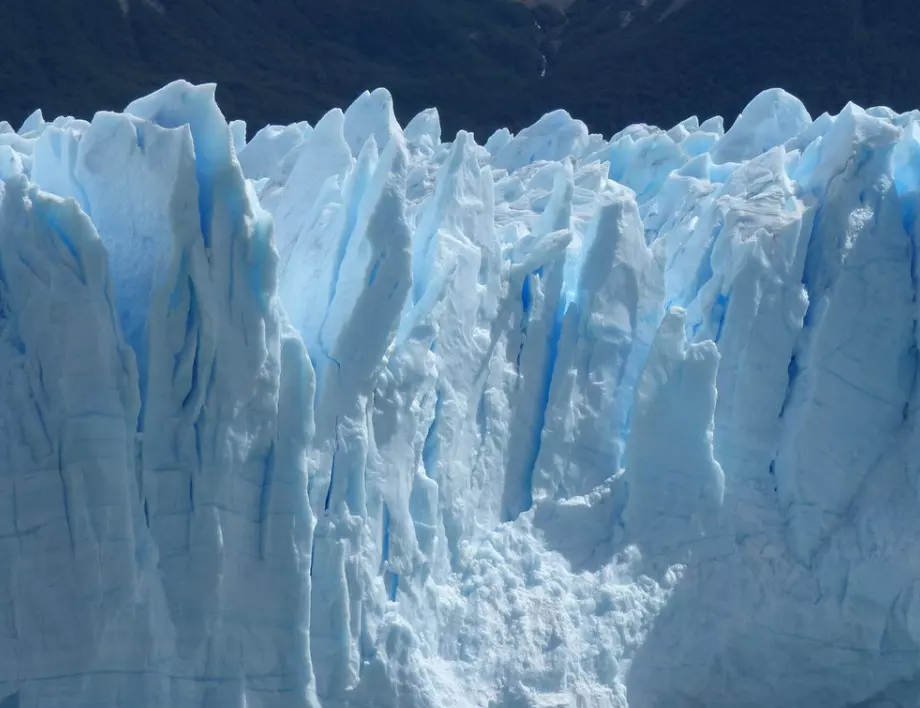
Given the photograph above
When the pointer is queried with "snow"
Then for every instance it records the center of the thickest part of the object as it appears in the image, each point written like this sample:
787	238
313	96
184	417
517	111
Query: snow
346	415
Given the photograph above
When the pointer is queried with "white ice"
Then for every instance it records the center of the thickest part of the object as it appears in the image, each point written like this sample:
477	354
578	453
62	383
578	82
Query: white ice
347	415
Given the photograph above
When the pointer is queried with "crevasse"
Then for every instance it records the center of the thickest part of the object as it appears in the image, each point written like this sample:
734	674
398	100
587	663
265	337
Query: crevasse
346	415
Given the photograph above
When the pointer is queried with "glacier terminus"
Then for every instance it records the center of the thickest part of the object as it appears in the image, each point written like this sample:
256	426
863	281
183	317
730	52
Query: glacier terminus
348	415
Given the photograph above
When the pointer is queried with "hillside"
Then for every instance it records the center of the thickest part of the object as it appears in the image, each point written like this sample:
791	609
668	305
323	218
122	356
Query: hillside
274	60
712	56
609	62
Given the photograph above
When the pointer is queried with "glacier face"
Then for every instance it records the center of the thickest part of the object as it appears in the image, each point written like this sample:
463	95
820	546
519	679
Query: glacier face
347	415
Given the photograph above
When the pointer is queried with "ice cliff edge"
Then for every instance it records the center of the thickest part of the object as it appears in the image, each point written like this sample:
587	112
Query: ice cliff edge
346	415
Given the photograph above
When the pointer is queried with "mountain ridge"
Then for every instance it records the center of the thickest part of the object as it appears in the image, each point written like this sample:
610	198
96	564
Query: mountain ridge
485	64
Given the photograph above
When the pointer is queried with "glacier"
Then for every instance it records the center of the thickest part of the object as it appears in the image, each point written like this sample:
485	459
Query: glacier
346	414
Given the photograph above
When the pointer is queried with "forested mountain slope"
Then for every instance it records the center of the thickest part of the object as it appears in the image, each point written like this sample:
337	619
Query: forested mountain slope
481	62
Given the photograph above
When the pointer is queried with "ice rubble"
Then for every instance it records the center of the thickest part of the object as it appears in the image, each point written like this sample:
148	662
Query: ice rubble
350	416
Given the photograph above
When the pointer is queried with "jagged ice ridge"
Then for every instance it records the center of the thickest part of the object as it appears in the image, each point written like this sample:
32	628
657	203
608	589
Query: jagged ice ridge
346	415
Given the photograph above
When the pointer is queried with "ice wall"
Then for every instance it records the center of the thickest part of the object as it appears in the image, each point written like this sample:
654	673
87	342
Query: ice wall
346	415
157	413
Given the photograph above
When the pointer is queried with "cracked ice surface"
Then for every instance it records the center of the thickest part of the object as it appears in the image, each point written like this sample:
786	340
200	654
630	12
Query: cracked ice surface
347	415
